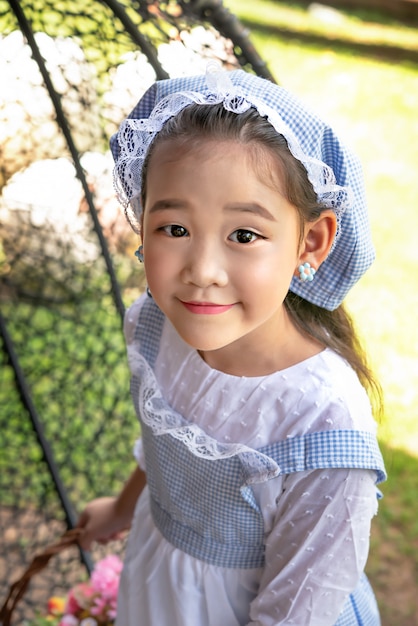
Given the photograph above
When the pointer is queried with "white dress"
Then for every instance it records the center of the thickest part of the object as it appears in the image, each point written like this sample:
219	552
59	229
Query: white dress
316	521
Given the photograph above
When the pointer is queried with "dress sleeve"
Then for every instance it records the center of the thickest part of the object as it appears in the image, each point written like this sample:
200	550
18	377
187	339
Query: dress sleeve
317	544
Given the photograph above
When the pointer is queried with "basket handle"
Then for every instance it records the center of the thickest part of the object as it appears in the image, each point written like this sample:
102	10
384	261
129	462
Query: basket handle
39	562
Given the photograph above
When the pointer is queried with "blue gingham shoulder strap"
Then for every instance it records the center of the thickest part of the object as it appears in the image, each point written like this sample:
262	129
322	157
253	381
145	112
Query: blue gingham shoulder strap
148	330
357	449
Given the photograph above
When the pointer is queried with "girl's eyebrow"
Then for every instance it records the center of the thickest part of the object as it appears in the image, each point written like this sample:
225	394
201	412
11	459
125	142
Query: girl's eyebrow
240	207
251	207
169	203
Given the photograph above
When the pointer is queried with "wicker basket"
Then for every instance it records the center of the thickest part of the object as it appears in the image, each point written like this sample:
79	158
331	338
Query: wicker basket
39	562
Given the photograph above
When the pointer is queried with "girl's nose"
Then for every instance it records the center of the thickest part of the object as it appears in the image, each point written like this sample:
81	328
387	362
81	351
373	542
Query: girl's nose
204	266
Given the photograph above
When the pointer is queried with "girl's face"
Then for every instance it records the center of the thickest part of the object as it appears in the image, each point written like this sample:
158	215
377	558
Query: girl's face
220	250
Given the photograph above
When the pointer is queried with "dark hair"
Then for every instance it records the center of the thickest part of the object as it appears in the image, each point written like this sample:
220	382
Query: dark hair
333	329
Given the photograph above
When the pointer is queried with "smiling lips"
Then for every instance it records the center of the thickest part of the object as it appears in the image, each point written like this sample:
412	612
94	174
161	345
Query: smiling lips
206	308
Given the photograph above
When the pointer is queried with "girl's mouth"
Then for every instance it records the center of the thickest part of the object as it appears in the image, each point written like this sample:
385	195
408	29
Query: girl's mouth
206	308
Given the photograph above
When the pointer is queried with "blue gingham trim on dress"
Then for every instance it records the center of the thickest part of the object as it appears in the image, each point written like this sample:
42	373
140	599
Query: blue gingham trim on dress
328	448
203	508
361	608
200	506
353	252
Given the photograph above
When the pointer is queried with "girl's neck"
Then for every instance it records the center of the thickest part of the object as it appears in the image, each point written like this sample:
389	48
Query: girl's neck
250	357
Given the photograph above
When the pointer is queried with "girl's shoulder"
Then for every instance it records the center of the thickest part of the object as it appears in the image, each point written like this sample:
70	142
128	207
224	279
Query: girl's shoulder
336	395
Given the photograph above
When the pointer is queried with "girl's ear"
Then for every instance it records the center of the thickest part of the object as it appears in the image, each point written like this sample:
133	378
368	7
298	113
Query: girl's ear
318	238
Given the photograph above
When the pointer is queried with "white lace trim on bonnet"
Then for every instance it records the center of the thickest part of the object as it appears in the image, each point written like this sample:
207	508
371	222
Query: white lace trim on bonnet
334	172
136	135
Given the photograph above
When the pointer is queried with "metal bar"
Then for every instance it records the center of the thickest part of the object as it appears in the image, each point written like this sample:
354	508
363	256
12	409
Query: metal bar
132	29
229	26
25	396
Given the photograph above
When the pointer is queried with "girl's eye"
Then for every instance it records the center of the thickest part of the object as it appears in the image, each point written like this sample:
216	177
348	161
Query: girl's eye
243	236
175	230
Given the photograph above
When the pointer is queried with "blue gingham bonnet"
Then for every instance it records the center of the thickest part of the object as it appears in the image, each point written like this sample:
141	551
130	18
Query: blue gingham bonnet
334	172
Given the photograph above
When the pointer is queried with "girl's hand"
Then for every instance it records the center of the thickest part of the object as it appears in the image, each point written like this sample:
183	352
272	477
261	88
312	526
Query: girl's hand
104	519
101	522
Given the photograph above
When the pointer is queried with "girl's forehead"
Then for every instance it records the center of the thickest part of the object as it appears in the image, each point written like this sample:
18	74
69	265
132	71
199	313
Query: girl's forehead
256	158
183	146
204	148
240	161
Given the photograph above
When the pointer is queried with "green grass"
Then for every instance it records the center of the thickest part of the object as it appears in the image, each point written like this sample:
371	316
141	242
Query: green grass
359	26
373	103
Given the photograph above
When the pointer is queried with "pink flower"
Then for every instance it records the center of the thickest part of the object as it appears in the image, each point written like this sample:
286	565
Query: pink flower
105	584
99	607
96	598
105	576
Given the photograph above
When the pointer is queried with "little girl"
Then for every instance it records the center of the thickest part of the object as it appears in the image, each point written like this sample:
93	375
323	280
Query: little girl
258	461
